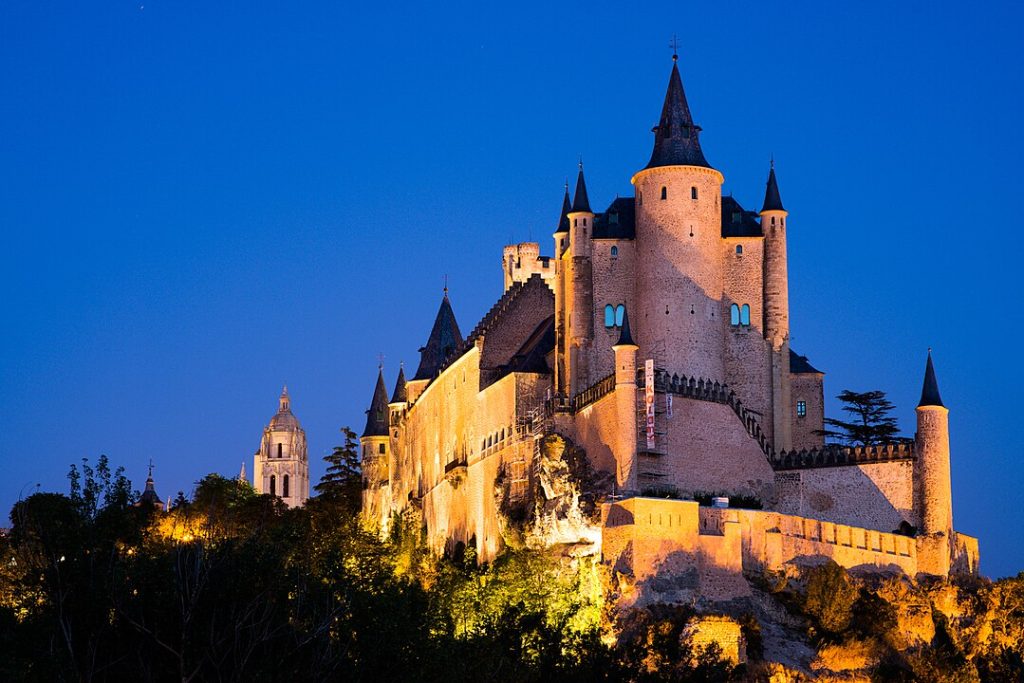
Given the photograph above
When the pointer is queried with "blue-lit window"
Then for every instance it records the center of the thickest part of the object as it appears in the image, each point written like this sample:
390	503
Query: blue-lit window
739	248
801	408
615	252
609	316
734	315
620	313
745	314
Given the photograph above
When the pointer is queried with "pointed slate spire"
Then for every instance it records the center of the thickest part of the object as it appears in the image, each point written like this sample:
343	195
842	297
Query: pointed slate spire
563	220
676	137
377	415
580	202
772	198
930	390
400	394
625	337
149	496
444	339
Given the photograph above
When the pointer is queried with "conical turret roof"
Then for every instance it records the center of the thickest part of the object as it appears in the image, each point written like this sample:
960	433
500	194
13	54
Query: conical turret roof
563	219
400	394
676	137
580	201
377	415
444	339
930	390
772	198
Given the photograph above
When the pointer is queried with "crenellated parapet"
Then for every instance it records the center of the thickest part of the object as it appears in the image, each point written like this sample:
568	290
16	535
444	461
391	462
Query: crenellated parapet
593	393
834	455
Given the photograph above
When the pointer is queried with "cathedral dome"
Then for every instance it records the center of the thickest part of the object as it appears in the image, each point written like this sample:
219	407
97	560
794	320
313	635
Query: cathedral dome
284	420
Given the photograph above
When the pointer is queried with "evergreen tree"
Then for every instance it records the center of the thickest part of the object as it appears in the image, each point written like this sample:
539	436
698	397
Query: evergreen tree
870	420
342	482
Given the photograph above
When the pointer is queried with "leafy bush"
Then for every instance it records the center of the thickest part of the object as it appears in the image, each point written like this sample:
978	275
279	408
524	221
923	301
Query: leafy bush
830	597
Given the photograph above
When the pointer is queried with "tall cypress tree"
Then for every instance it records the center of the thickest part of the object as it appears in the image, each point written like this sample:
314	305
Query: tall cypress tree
342	482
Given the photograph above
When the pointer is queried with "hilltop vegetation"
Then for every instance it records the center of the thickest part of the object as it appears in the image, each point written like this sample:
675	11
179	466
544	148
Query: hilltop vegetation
230	585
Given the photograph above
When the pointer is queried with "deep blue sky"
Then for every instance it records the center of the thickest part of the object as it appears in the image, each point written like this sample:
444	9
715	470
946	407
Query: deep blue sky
199	203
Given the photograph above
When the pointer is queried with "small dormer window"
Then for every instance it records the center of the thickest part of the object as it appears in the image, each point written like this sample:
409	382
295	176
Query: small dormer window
693	192
613	219
664	193
736	217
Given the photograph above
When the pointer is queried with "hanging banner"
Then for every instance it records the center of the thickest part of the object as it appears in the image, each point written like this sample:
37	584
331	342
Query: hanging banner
649	400
668	399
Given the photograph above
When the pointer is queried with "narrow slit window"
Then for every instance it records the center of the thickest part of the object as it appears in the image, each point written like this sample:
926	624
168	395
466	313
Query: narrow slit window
801	408
284	486
693	192
280	448
615	252
664	193
739	248
273	485
382	449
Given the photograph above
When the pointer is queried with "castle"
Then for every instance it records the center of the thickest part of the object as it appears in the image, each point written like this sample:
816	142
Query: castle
656	341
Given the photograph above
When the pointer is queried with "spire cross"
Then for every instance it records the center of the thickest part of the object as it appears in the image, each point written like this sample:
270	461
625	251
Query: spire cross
380	361
674	44
151	468
446	284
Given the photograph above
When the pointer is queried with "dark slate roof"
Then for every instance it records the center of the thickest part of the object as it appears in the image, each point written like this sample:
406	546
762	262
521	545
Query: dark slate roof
149	496
772	199
625	338
737	221
444	340
798	365
532	355
563	220
618	221
377	415
676	137
400	394
930	390
580	202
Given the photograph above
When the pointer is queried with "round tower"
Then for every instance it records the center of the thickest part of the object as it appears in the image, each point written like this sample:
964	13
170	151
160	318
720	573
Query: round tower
281	467
932	479
561	238
627	476
776	310
679	271
579	288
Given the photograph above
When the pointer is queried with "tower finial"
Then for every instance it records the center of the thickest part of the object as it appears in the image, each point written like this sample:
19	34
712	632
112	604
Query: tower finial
446	285
380	361
675	48
150	475
581	164
771	161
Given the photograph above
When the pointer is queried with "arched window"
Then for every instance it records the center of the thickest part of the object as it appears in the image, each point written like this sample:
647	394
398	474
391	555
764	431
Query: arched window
273	485
382	449
739	248
693	192
609	316
664	192
279	449
734	315
615	252
502	437
745	314
620	313
284	487
584	222
575	222
773	221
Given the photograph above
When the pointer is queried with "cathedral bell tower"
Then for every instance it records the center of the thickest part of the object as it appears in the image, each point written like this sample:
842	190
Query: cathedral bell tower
281	467
679	275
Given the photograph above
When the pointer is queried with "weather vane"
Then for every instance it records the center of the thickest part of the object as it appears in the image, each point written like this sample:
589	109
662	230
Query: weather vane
675	47
446	284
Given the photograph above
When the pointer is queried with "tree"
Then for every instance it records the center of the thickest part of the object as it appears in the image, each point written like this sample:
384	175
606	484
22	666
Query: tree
871	422
342	482
830	597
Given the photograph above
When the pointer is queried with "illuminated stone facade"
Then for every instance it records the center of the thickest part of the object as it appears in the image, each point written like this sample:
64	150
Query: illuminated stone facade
687	282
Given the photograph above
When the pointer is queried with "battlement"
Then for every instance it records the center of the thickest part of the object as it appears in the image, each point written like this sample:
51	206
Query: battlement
593	393
701	389
834	455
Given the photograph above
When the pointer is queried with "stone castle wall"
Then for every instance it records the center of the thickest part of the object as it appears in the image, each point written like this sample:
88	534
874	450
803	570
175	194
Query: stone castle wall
809	388
613	285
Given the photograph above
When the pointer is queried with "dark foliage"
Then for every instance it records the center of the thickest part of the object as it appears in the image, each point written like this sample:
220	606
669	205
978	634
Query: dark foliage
871	422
